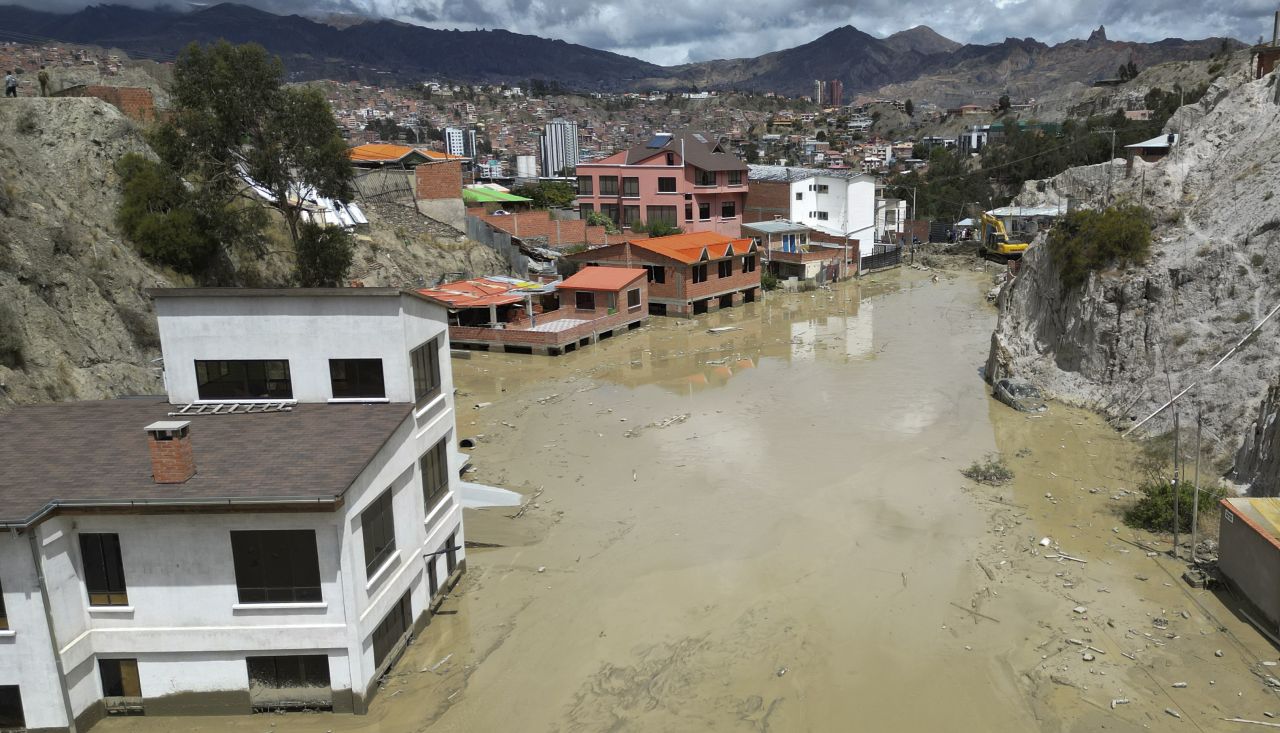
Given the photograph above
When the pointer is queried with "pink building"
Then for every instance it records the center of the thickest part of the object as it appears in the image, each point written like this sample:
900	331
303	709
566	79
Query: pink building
685	180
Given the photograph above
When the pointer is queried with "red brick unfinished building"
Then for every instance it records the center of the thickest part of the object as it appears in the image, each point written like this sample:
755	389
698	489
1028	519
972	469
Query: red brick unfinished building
688	274
136	103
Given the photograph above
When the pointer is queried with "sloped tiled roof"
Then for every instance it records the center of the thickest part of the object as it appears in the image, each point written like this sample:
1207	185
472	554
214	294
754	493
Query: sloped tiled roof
697	148
696	246
602	278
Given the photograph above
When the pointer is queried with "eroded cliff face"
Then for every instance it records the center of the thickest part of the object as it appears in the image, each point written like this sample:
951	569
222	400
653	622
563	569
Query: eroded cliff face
1127	340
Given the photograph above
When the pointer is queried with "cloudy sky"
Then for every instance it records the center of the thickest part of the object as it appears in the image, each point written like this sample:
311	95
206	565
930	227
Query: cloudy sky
676	31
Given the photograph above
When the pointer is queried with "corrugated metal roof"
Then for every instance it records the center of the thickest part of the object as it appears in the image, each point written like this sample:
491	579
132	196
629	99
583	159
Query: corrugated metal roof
483	292
1004	211
788	174
777	226
1160	141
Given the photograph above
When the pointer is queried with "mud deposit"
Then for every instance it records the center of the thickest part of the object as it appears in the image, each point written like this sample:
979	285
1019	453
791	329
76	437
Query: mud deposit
766	529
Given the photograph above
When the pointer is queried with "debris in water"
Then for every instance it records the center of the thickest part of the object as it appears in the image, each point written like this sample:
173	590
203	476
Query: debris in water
1173	712
482	405
1080	609
1179	685
781	671
1218	653
725	329
1087	657
1045	541
542	568
669	421
1119	701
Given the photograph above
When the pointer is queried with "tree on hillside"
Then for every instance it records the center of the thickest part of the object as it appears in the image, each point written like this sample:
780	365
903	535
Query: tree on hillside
1004	103
234	122
910	108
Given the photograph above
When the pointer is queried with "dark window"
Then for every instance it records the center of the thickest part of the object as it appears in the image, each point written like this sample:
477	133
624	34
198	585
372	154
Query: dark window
244	379
820	215
671	158
700	273
585	186
392	628
728	209
704	211
724	268
276	566
662	215
735	178
703	178
356	378
4	615
819	188
305	676
666	184
631	187
608	185
378	525
749	263
103	569
630	215
586	210
799	196
433	580
633	298
451	557
688	212
584	300
610	211
426	370
657	273
119	679
11	708
435	474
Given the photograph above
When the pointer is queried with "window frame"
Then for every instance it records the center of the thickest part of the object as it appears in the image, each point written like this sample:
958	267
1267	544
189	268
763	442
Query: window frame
699	273
378	516
658	214
121	677
362	367
799	196
425	357
302	566
276	388
630	305
20	722
724	268
657	273
586	186
688	211
630	215
609	185
612	212
732	208
748	263
630	187
701	176
704	206
663	184
434	464
115	590
735	178
402	613
578	300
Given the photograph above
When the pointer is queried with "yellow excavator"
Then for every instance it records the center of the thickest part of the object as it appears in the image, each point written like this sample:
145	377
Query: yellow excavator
996	244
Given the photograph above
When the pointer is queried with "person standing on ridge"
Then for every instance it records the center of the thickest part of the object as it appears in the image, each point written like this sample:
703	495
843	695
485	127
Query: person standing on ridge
10	84
43	78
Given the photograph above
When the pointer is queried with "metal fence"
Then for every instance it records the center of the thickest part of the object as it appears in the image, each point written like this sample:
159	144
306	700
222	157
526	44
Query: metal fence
883	256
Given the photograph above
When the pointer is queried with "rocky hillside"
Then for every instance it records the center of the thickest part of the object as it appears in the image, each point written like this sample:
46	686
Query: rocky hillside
1125	340
75	322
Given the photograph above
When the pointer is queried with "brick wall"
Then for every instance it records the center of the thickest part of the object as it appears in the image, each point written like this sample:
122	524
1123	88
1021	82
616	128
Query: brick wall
441	180
767	201
679	284
558	232
739	280
136	103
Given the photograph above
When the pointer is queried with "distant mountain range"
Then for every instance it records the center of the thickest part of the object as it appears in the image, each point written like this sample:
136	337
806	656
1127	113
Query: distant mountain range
918	60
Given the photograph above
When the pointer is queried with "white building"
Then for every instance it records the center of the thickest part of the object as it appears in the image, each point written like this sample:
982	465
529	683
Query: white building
890	215
458	141
179	555
559	147
836	203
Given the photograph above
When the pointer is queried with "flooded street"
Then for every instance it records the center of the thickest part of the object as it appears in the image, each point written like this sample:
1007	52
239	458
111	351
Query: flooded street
766	529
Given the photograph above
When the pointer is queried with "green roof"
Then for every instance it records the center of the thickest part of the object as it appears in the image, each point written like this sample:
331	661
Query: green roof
488	196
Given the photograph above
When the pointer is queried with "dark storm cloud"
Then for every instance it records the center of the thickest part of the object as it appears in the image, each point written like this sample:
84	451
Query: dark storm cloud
677	31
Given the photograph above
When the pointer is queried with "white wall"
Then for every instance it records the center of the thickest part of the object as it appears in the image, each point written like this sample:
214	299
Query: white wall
306	330
26	654
849	203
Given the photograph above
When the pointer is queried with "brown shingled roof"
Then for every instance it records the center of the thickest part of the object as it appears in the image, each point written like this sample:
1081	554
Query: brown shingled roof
79	453
697	148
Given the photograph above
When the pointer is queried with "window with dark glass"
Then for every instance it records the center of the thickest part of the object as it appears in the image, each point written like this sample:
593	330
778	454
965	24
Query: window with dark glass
11	708
631	187
378	525
688	212
244	379
451	557
276	566
586	210
119	682
608	185
4	615
391	629
657	273
666	184
103	569
585	300
724	268
735	178
435	474
630	215
426	370
671	158
703	178
799	196
662	215
610	211
633	298
585	186
353	378
728	209
704	211
288	672
749	263
700	273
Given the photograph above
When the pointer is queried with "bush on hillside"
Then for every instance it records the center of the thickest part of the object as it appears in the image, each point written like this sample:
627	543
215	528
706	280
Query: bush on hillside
158	214
324	256
1088	240
1154	510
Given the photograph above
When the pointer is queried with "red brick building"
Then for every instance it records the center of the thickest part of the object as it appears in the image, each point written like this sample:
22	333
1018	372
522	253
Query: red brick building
560	233
136	103
688	274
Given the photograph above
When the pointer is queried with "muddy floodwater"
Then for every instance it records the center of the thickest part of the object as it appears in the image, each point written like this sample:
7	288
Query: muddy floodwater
766	529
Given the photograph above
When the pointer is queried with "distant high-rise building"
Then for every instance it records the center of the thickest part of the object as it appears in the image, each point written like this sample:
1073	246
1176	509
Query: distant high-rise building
458	141
559	146
835	93
819	90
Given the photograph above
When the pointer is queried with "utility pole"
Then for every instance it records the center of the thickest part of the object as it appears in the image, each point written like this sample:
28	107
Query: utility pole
1195	507
1177	460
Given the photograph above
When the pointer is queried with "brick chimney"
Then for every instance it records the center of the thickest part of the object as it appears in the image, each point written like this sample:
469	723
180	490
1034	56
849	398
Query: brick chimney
171	459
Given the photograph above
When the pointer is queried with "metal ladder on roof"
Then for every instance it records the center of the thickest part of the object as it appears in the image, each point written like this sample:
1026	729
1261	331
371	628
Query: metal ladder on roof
233	408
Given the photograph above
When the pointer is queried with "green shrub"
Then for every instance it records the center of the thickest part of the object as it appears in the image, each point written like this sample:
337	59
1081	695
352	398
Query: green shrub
596	219
991	470
324	256
1089	240
11	345
159	215
768	280
1154	510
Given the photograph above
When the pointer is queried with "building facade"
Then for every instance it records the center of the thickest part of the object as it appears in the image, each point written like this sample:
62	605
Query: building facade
559	147
460	142
684	180
835	204
267	536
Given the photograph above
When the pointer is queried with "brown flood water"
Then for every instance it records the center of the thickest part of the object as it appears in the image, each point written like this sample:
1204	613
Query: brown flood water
798	553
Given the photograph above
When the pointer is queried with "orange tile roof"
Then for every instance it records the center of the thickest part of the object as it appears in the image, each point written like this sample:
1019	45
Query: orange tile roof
379	152
696	246
437	155
477	293
602	278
